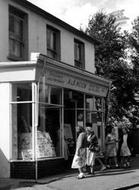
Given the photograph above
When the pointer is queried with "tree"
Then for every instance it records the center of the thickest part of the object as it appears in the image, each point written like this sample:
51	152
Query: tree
110	60
134	46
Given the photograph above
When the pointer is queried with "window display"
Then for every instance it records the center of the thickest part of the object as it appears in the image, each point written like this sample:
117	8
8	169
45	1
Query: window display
49	121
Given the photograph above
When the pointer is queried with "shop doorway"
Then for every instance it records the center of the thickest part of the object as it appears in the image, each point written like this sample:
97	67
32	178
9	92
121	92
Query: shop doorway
70	123
73	109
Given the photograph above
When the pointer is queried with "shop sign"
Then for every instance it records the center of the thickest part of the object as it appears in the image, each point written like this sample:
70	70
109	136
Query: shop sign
67	81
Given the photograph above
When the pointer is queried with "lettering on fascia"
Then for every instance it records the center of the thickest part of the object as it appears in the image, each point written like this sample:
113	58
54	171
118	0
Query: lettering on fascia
55	77
76	83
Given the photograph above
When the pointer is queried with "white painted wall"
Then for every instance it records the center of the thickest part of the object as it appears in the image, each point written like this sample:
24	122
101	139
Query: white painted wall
4	130
4	32
37	37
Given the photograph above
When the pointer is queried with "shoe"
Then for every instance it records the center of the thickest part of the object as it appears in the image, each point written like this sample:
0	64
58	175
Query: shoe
108	166
116	166
103	168
81	176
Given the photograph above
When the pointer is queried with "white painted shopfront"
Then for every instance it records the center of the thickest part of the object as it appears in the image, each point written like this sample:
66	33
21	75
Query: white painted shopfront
40	104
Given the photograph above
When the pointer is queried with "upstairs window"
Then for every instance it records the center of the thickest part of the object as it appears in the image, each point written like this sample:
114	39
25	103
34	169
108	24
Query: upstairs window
17	34
79	59
53	43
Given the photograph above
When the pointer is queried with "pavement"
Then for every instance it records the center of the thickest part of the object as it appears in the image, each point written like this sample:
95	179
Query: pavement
109	179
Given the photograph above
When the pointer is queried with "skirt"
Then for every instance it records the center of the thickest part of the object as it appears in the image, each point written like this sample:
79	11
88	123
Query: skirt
79	161
90	160
125	150
111	150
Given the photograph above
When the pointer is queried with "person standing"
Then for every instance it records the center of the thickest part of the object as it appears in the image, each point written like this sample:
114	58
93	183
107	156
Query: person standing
125	152
79	160
111	150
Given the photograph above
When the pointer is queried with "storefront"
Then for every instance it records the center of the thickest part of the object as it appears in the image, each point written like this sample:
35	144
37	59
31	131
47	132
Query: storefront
47	100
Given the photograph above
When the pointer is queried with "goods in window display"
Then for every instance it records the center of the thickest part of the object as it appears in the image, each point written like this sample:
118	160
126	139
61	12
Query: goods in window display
45	147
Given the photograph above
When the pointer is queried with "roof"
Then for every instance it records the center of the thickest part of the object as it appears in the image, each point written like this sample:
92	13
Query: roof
55	20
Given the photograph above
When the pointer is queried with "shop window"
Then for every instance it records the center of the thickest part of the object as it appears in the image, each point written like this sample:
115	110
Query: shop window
17	34
21	92
79	55
53	43
48	135
21	110
49	125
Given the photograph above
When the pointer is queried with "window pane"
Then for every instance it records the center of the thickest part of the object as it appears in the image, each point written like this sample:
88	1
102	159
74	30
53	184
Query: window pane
79	54
53	42
16	33
56	94
90	103
22	131
19	29
98	104
43	91
11	23
49	137
21	92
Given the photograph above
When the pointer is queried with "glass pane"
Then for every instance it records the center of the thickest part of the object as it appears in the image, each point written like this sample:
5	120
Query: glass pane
89	103
80	118
98	104
22	92
48	136
22	131
56	94
11	23
17	49
43	91
19	29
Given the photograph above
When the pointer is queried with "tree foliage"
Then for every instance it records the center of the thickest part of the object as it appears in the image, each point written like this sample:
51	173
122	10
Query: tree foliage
110	60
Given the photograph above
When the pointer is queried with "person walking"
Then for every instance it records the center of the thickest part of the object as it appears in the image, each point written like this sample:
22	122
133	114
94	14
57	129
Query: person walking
79	159
93	147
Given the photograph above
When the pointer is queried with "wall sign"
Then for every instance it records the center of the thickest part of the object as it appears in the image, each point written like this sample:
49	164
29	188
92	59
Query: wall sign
75	83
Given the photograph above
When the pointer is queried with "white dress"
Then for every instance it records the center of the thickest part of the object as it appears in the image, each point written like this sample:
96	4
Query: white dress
124	148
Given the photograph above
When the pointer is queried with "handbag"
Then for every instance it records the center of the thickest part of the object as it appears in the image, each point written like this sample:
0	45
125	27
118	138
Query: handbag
94	148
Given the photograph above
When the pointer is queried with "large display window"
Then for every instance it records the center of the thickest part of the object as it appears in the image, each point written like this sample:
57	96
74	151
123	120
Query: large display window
45	117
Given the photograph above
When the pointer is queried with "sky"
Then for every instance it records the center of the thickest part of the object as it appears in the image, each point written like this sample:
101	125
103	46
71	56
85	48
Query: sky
78	12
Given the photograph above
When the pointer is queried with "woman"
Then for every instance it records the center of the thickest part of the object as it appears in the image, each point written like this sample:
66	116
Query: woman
111	150
79	160
92	147
125	152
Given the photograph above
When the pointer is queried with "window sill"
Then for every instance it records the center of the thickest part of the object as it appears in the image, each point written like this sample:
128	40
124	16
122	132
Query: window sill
14	58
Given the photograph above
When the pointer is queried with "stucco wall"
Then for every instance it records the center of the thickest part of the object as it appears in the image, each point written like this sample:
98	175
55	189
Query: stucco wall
37	37
4	30
4	130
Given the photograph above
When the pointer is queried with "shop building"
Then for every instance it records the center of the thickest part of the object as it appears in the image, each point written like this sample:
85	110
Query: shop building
45	95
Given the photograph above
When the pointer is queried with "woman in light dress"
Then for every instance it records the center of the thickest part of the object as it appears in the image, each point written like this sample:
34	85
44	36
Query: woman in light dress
79	160
111	149
125	152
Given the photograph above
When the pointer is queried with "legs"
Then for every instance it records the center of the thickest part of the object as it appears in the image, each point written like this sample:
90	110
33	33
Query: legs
103	167
115	161
81	173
